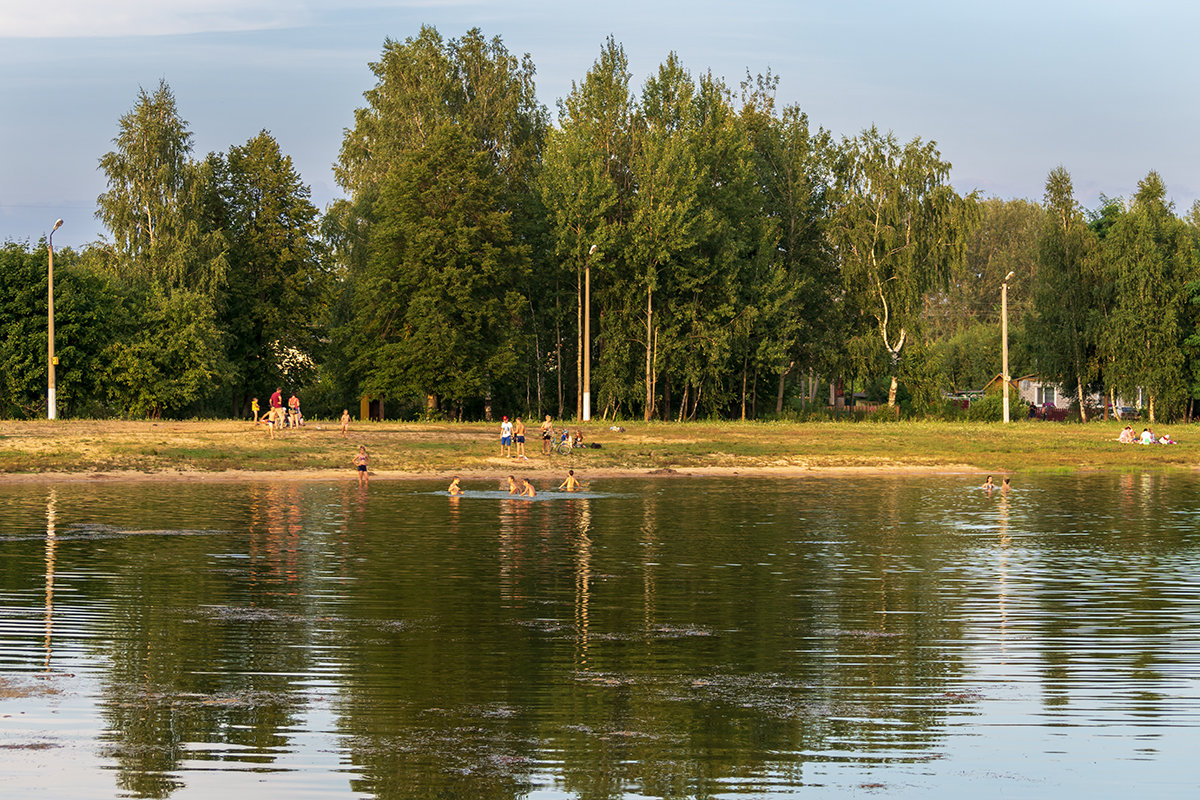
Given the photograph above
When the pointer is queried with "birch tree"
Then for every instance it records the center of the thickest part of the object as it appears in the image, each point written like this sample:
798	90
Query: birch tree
898	227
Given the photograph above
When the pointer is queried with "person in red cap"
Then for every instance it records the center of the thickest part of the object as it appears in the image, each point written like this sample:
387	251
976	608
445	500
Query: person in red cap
506	434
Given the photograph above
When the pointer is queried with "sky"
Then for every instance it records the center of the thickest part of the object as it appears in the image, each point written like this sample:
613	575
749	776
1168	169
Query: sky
1007	90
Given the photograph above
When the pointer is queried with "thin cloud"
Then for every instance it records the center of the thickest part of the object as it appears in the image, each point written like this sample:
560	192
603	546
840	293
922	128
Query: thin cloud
35	19
89	18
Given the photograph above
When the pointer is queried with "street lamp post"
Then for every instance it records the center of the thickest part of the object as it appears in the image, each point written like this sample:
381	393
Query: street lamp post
587	335
51	392
1004	338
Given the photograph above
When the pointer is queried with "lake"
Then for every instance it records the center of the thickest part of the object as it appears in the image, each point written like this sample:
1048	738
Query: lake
744	637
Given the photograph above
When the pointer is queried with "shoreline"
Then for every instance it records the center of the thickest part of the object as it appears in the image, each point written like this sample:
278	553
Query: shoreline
476	474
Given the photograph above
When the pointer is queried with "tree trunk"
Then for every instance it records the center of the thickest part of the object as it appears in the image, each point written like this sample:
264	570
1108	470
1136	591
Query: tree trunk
558	362
779	392
649	354
744	370
1150	408
892	392
754	394
579	347
1082	402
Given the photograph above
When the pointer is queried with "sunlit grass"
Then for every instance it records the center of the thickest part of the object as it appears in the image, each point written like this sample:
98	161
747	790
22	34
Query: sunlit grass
207	446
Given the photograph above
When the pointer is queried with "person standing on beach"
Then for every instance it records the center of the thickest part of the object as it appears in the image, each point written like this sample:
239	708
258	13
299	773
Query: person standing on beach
547	434
276	411
360	461
519	432
294	408
506	433
345	422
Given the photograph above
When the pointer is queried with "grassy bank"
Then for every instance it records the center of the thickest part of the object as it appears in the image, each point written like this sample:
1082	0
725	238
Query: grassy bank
81	446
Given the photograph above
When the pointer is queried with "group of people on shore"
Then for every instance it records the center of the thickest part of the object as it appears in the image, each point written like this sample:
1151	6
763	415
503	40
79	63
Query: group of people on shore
522	487
1129	437
512	434
278	416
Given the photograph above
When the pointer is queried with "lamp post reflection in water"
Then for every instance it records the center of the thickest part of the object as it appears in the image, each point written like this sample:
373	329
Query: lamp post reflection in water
583	578
1002	568
51	553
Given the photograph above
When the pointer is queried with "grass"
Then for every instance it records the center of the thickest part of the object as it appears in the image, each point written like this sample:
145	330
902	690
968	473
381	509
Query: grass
83	446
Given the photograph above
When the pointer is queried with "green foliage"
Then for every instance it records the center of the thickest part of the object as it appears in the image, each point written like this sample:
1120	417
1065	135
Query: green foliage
274	306
172	360
899	229
1149	259
1066	324
989	408
438	310
154	204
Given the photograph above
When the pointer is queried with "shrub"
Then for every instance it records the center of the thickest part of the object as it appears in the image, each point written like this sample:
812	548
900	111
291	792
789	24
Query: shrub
989	408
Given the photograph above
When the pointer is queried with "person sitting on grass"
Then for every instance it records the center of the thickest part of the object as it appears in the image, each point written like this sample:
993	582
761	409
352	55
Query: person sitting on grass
1166	439
1127	436
577	439
1148	436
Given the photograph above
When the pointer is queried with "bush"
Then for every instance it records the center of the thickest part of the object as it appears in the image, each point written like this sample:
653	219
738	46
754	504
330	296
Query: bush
989	408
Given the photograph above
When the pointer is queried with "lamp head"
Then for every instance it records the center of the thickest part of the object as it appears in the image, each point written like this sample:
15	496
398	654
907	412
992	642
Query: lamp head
1009	276
592	252
57	225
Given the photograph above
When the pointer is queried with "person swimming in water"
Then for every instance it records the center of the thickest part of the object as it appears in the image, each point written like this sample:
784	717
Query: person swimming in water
571	484
454	487
527	489
989	484
513	488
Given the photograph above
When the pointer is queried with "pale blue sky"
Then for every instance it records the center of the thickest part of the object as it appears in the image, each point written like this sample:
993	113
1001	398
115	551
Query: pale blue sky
1008	90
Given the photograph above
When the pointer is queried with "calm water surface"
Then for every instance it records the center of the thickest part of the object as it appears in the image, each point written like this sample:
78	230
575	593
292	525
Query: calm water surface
678	638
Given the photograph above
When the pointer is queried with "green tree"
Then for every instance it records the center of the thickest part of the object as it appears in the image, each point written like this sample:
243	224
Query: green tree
1149	258
438	312
665	220
1004	241
425	87
1064	329
792	285
171	361
898	228
153	204
586	186
273	308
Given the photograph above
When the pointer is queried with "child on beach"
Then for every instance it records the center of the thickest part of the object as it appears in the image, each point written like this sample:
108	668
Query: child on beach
360	461
506	434
345	422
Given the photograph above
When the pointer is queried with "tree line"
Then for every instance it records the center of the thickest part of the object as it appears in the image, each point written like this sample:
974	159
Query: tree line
726	257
